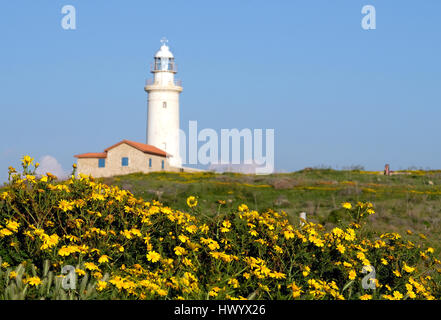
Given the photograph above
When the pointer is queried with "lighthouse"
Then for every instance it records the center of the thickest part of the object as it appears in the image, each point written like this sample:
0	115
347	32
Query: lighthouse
163	104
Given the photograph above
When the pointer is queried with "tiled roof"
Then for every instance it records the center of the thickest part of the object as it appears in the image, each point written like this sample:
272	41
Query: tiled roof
92	155
141	147
146	148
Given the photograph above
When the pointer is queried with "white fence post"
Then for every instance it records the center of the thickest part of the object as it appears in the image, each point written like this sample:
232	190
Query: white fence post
302	218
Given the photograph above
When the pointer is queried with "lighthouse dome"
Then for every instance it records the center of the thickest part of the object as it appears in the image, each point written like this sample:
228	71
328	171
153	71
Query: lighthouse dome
164	52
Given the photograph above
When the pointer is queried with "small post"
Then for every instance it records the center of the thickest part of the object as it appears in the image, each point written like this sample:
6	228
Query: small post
302	218
386	170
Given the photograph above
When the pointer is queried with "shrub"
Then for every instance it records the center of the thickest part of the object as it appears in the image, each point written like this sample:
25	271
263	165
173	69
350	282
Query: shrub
127	248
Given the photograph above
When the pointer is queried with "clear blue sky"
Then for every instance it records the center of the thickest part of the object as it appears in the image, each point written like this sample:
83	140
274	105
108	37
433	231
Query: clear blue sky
335	94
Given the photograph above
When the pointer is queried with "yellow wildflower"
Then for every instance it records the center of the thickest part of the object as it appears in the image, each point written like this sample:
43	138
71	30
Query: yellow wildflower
243	207
65	205
180	251
101	285
397	295
192	202
27	160
306	271
408	269
33	281
153	256
214	291
352	274
296	290
12	225
103	259
80	272
346	205
90	266
341	248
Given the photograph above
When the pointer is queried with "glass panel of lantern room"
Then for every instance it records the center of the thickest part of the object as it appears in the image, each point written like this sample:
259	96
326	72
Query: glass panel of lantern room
164	64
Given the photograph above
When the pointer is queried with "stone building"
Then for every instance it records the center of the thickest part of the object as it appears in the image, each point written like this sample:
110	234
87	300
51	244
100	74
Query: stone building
123	158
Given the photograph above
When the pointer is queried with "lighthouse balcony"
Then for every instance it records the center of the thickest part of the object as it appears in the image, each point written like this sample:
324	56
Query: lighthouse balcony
152	82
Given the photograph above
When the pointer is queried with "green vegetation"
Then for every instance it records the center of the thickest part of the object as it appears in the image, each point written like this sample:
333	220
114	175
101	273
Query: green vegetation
215	245
408	201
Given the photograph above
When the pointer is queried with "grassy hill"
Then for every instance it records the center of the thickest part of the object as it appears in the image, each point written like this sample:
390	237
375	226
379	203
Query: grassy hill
410	201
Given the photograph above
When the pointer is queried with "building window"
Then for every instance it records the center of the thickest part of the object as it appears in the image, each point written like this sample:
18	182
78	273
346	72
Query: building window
150	162
101	163
125	161
164	104
162	164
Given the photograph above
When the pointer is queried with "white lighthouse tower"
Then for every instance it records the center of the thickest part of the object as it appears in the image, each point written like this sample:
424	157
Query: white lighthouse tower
163	105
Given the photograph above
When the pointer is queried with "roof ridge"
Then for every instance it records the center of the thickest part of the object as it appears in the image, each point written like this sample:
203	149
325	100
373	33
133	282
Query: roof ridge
91	155
146	148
